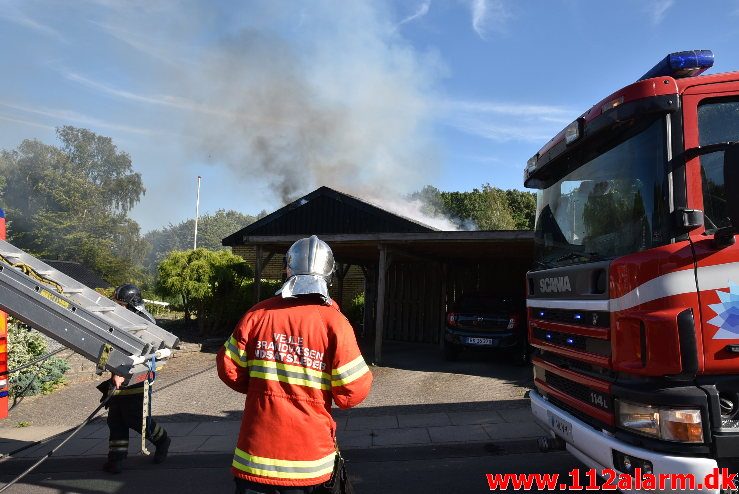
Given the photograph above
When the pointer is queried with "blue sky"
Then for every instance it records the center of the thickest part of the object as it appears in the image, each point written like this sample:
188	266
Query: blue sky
267	100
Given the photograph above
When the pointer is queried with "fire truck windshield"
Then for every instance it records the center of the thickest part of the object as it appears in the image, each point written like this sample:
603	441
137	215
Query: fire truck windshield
610	203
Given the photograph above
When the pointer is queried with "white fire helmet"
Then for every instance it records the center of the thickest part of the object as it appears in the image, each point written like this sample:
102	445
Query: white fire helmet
309	263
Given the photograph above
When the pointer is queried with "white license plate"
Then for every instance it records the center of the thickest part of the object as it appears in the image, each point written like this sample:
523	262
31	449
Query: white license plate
479	341
561	427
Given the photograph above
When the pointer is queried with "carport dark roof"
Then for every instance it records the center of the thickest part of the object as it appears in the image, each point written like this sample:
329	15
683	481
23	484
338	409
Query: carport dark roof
79	272
361	248
327	211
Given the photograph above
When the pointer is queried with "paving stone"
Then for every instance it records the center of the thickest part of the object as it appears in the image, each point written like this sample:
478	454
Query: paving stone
458	434
8	446
228	428
75	448
424	420
513	430
190	444
101	448
179	429
94	431
401	437
218	443
517	415
31	433
354	439
475	418
378	422
39	450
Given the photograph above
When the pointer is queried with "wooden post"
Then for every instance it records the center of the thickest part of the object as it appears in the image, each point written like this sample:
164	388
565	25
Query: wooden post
341	272
258	275
443	302
340	286
369	305
380	324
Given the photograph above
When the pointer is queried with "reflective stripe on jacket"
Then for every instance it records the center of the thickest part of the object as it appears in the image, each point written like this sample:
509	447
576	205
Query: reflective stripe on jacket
292	357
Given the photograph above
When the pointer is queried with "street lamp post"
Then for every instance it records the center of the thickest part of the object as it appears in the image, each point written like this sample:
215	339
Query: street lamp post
197	215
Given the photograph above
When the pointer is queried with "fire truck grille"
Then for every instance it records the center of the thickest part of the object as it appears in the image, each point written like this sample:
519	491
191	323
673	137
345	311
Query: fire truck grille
594	319
561	339
580	392
582	343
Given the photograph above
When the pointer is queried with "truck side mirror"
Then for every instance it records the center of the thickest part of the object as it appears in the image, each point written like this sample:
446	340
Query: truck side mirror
731	184
687	220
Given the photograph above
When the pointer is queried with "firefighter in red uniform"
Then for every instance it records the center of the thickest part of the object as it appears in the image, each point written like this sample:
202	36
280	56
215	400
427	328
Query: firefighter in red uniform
125	408
292	355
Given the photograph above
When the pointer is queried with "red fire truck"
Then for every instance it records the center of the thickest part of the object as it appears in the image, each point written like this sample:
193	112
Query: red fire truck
634	299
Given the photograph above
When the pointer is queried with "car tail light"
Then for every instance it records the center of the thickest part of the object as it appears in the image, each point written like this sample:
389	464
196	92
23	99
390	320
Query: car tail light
513	322
451	319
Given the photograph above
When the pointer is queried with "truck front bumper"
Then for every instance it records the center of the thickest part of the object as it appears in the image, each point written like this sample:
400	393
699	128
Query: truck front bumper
595	448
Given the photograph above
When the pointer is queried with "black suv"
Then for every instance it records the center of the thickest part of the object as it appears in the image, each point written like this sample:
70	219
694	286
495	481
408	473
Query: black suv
487	321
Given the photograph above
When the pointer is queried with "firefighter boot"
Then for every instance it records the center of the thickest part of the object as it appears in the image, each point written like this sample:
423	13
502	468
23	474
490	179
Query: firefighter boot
162	448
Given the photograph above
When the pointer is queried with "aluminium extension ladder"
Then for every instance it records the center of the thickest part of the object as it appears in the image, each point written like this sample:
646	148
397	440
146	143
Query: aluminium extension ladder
78	317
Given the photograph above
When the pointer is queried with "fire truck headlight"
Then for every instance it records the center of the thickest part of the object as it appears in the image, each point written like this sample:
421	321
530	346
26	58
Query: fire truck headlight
573	131
681	425
668	424
642	419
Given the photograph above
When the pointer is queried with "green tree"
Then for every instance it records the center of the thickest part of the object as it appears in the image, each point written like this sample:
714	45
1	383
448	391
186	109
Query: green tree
71	202
211	285
212	228
486	208
492	209
522	206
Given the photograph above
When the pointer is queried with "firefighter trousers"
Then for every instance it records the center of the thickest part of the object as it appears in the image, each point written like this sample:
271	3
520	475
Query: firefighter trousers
124	413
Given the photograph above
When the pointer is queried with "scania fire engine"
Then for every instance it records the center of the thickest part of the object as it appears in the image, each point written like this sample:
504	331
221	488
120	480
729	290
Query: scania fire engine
633	302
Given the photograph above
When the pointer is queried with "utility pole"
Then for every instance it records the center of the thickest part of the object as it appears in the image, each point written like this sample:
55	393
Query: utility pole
197	215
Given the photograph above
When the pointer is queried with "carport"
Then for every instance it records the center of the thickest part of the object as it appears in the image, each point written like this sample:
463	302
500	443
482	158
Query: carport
410	277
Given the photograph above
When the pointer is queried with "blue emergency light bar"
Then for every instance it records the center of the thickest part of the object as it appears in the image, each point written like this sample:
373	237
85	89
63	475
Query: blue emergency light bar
682	64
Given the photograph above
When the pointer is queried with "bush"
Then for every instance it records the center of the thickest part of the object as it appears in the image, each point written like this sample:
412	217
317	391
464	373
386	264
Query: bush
216	287
232	304
25	345
355	311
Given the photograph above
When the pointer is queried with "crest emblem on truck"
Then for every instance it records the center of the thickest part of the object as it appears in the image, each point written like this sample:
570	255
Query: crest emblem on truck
727	313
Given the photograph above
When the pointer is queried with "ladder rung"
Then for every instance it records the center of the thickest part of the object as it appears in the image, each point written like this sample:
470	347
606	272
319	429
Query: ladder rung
135	327
73	290
100	308
14	255
46	272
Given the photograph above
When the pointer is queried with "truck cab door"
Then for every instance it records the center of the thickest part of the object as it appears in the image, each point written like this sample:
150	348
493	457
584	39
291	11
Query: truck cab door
711	116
